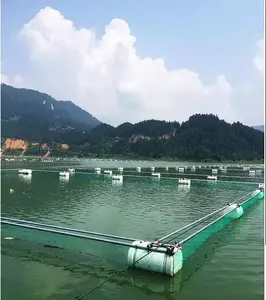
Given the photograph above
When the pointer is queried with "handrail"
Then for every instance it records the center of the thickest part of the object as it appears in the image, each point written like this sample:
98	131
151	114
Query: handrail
69	229
202	219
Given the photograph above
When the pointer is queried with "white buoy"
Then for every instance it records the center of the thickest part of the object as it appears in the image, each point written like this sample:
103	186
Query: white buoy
184	181
109	172
158	175
160	262
11	191
236	211
25	171
213	178
64	174
117	177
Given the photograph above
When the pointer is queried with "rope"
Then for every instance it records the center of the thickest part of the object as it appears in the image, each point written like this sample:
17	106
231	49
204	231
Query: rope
160	245
113	276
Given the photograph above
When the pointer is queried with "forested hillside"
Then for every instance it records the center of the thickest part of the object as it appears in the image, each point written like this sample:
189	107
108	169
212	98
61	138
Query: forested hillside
201	137
29	114
37	117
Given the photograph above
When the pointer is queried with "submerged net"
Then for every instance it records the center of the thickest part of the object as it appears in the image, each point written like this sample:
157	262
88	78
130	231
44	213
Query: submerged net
190	245
65	242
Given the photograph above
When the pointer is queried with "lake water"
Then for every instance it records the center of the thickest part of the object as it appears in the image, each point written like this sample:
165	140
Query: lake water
227	266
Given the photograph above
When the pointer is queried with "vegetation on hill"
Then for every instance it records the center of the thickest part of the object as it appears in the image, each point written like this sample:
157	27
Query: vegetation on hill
38	118
202	137
31	115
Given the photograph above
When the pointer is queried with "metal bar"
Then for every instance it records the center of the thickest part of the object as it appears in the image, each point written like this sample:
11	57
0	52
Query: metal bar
195	233
81	236
69	229
201	219
206	226
249	199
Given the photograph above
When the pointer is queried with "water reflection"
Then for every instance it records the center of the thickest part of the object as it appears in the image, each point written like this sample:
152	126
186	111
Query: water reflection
25	177
64	179
117	182
183	188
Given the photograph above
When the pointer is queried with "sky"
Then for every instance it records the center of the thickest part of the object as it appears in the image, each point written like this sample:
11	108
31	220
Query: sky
126	61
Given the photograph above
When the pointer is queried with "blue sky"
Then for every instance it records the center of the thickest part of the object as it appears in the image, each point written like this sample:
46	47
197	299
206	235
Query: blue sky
207	37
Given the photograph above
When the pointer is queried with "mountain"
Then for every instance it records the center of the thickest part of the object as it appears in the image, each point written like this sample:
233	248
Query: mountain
32	115
38	118
259	127
202	137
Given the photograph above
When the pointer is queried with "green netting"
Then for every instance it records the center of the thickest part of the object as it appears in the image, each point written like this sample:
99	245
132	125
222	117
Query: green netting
252	200
70	243
190	246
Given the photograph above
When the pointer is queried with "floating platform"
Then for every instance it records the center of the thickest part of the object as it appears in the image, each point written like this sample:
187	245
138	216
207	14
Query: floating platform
166	255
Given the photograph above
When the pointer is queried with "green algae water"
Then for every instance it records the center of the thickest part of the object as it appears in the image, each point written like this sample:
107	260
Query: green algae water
227	266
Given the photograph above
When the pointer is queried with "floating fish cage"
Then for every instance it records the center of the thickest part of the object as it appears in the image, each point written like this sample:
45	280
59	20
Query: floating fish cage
181	170
71	170
252	173
214	171
120	169
193	169
166	168
25	171
97	169
152	169
166	255
138	169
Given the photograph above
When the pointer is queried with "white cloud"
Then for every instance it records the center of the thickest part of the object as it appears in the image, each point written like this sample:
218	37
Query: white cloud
107	77
259	59
16	80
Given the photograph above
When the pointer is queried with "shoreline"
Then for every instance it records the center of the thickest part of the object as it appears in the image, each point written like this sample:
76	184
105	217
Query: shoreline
128	158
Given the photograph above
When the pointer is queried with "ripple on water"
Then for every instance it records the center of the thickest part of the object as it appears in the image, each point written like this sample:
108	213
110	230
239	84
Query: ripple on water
228	266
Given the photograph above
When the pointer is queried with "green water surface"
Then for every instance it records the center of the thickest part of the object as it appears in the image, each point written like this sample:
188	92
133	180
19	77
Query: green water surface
227	266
